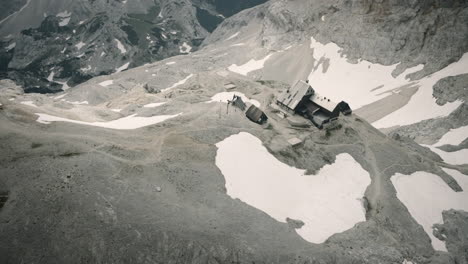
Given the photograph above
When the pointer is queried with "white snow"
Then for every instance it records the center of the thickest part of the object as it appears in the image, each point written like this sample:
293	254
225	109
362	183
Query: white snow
411	113
77	102
173	32
80	55
50	78
28	103
81	22
125	123
426	195
120	46
357	83
60	96
88	68
64	49
80	45
178	83
224	97
103	53
152	105
64	21
106	83
170	63
11	99
453	137
123	67
64	14
233	36
238	45
322	18
327	203
64	85
185	48
458	157
11	46
250	66
116	110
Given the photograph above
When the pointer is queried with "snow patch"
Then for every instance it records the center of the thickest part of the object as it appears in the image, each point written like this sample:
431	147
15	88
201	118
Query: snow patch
77	102
238	45
224	97
123	67
11	46
80	45
125	123
64	21
152	105
50	78
426	195
170	63
233	36
29	103
185	48
106	83
178	83
250	66
120	46
60	96
328	203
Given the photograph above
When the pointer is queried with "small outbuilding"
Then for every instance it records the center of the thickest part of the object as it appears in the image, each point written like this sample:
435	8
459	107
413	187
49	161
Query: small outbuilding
238	102
345	108
256	115
229	86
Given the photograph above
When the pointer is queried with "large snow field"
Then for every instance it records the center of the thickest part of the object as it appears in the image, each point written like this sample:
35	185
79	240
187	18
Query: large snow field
125	123
426	195
458	157
251	65
452	137
364	82
224	97
328	202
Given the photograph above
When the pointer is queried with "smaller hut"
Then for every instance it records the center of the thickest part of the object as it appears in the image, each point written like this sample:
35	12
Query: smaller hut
344	108
256	115
238	102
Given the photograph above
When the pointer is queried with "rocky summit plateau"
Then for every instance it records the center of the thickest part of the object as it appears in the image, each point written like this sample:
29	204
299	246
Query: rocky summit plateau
248	131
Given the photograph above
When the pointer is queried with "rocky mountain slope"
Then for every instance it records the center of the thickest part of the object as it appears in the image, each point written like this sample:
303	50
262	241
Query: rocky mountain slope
151	165
50	45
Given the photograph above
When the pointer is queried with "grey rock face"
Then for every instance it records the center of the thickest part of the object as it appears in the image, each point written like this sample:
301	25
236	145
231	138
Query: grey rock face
433	33
80	42
454	231
451	88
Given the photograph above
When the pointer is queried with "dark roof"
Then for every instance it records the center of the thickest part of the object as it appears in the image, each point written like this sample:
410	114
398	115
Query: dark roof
255	114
